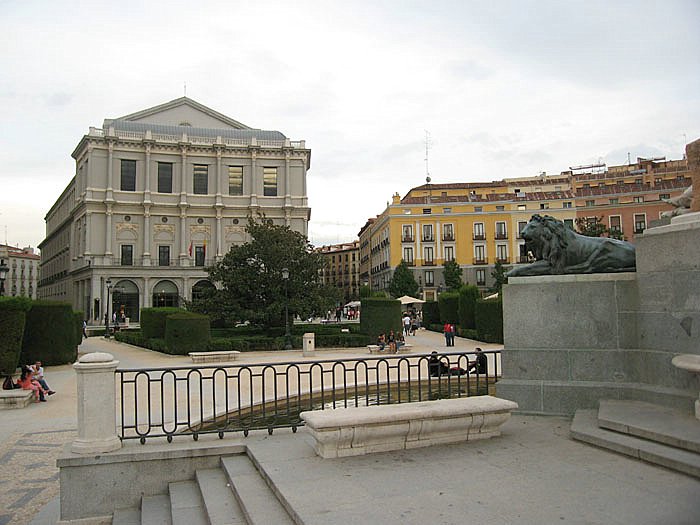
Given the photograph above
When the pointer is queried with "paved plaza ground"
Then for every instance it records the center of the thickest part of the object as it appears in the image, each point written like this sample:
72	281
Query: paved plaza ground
534	473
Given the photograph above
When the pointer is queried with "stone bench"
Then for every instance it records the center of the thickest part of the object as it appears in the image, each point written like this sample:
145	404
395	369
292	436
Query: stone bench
212	357
374	349
406	348
689	363
17	398
343	432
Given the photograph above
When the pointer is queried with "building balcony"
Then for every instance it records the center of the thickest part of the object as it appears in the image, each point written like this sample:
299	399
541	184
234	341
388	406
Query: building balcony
407	238
480	283
447	237
479	237
523	259
480	261
428	238
428	263
501	235
503	260
410	262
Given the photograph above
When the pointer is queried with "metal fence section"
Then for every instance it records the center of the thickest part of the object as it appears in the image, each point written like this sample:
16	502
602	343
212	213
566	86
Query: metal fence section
167	402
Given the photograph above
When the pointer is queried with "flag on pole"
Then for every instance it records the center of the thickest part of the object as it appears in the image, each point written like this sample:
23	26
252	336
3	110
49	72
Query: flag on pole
190	249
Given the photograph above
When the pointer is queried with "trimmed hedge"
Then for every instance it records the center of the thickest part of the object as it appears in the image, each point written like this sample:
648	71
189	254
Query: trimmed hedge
49	334
13	312
468	295
186	332
449	307
380	315
152	321
431	313
489	320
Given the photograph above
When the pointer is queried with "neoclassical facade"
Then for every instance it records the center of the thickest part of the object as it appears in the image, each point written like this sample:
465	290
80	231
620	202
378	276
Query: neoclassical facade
158	196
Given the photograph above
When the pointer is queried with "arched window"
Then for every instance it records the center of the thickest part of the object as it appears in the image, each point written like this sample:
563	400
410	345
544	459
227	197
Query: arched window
125	300
200	288
165	293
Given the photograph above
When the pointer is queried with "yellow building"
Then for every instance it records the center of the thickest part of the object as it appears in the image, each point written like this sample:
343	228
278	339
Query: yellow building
476	224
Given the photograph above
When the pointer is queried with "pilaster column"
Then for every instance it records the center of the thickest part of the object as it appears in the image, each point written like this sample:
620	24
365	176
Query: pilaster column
97	409
88	229
184	184
110	170
253	180
146	258
184	241
108	231
219	176
218	233
147	182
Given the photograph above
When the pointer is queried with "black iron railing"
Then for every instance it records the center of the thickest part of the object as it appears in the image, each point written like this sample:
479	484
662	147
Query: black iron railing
167	402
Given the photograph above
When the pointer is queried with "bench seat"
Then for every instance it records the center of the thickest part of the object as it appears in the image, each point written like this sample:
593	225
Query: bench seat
212	357
17	398
356	431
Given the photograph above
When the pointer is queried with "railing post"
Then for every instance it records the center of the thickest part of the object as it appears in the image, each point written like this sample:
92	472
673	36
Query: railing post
97	421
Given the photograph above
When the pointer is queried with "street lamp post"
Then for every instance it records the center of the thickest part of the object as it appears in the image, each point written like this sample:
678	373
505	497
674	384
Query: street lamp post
108	282
3	274
287	335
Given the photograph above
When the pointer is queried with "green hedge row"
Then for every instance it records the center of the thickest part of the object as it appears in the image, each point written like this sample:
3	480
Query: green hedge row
489	321
468	295
380	315
186	332
13	312
431	313
449	307
50	334
318	329
152	321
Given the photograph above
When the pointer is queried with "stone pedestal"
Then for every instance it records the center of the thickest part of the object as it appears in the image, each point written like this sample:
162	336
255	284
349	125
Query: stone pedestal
309	348
97	427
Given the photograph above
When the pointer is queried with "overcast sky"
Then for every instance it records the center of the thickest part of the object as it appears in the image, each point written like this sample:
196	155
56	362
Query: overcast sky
505	88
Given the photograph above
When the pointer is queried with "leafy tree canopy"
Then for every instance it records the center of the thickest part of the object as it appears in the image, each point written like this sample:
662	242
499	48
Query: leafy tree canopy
499	277
249	278
403	282
594	227
453	275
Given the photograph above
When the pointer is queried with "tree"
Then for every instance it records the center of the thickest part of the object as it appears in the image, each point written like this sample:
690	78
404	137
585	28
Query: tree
499	277
453	275
594	227
403	282
249	277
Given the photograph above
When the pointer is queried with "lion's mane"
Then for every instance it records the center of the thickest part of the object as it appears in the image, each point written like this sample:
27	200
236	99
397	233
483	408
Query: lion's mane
549	241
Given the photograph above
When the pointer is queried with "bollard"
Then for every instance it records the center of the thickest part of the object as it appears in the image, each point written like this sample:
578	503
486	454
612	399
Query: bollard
308	348
97	426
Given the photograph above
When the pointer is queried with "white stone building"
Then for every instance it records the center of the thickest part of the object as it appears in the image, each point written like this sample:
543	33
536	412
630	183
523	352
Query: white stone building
157	196
23	271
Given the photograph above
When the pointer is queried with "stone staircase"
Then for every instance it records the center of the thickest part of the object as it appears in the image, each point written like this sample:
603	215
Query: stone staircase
235	493
653	433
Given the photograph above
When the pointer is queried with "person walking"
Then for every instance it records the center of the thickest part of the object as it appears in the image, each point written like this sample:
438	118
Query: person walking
446	332
406	324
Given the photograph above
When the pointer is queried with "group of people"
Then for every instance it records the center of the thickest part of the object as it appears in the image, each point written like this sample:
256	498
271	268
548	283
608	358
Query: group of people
437	367
449	330
394	341
32	378
411	323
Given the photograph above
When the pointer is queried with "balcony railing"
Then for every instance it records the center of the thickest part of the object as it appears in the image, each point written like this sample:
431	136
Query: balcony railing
429	263
501	235
479	237
407	238
448	237
483	260
428	238
503	260
191	401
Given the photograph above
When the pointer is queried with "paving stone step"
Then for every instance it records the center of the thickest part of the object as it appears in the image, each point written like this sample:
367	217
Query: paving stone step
220	503
186	504
585	428
155	510
649	421
257	500
126	517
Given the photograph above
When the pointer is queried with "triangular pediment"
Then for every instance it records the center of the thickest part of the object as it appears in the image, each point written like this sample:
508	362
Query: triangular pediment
184	111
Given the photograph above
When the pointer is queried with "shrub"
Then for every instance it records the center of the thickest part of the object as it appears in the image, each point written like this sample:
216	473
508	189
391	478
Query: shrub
379	315
49	334
449	307
468	333
431	313
13	311
78	319
186	332
468	295
489	321
132	337
153	321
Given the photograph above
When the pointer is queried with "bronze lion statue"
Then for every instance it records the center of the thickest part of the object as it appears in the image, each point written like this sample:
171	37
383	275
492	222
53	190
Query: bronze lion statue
560	250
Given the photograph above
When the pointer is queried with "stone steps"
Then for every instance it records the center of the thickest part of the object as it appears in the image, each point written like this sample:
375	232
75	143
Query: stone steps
586	427
233	494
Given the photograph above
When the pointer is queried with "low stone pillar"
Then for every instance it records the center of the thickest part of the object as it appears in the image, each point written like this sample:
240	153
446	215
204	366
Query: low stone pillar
309	348
97	426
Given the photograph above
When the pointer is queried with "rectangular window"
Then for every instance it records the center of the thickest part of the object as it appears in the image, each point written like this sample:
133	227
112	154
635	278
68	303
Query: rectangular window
521	227
639	198
500	208
427	232
199	254
481	277
502	252
614	200
165	177
407	212
615	223
447	210
590	203
408	255
235	180
569	223
478	209
479	252
407	233
449	253
501	232
479	230
270	182
657	180
640	222
522	206
427	211
428	255
637	181
566	204
544	205
680	178
664	195
448	233
429	278
128	175
127	255
200	179
163	255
